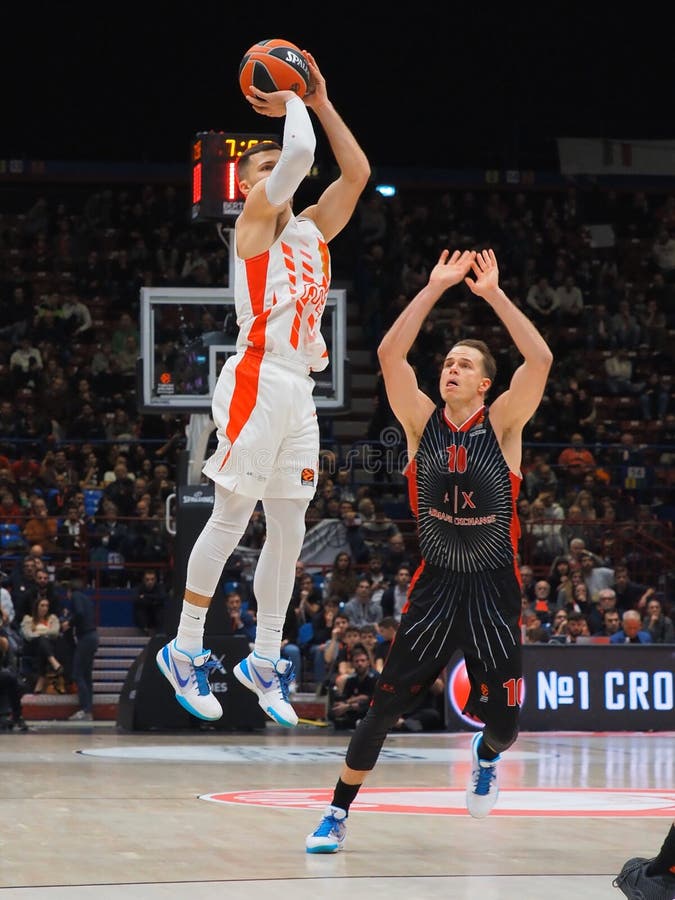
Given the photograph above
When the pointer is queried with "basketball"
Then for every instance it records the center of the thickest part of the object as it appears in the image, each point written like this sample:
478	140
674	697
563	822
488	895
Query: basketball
274	65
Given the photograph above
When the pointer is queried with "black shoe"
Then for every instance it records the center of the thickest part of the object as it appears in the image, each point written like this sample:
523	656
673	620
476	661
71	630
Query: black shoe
20	724
637	885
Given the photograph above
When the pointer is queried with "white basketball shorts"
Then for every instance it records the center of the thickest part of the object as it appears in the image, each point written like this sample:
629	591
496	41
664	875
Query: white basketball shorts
268	434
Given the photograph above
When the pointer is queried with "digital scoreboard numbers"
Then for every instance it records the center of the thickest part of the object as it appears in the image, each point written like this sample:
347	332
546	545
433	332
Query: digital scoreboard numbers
215	190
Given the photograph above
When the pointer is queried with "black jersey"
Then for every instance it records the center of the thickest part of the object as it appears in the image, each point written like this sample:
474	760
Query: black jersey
463	496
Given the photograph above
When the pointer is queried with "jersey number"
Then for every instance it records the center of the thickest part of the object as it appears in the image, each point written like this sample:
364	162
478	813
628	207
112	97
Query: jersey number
457	459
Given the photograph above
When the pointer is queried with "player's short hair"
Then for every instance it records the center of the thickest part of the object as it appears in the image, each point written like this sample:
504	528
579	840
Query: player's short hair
243	161
489	362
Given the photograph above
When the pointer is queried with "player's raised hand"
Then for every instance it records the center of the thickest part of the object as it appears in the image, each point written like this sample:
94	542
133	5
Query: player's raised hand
316	93
486	270
451	269
272	103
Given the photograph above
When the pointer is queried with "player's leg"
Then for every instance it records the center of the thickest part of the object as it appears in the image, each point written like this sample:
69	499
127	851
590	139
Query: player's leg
493	655
409	670
183	661
264	671
641	878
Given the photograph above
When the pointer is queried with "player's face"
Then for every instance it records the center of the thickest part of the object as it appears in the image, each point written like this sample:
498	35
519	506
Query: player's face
258	167
462	376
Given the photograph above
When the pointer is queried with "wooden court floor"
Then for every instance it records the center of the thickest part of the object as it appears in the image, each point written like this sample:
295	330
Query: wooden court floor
89	812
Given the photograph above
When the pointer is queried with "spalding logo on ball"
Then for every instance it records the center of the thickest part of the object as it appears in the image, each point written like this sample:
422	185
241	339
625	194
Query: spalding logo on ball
274	65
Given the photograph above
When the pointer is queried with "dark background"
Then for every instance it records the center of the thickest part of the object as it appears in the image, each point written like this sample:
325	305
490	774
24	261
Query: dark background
433	85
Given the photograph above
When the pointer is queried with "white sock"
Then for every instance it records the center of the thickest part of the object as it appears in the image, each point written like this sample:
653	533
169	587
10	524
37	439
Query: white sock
190	634
268	635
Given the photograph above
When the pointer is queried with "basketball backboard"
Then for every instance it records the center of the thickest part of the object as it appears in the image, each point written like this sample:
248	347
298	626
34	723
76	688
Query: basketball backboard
188	333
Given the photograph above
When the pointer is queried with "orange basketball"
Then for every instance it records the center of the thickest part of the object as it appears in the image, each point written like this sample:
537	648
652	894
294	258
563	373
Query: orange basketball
274	65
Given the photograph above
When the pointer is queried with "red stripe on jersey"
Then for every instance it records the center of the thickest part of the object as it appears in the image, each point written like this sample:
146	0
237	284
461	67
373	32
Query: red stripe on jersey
413	582
410	472
516	481
256	280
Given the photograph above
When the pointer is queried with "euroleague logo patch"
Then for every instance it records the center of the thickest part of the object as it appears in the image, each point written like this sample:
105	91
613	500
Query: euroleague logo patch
307	477
459	688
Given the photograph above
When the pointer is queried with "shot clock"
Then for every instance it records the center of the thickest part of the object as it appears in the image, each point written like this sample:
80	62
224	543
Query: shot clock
215	194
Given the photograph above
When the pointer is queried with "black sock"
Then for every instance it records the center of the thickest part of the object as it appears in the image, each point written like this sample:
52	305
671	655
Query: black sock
345	794
665	861
485	751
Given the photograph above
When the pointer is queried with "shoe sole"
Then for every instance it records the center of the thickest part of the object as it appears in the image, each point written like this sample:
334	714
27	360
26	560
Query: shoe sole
166	672
244	679
332	848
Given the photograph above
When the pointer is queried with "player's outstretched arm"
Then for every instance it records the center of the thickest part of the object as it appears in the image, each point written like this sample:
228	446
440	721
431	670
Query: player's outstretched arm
517	405
336	205
411	406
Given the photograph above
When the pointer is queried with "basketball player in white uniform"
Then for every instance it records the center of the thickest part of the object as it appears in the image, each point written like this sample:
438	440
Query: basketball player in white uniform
268	435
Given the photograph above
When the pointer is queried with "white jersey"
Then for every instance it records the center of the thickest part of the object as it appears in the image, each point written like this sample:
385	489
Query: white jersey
280	296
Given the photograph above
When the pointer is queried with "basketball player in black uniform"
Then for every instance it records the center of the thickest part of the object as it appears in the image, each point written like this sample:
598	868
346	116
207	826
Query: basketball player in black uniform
464	478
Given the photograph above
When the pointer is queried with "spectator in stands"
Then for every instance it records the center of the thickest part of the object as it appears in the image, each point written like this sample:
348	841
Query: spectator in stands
630	594
72	534
9	682
663	253
239	621
619	374
595	577
11	513
544	603
369	639
659	626
570	302
323	622
341	580
396	596
606	603
108	542
540	477
149	600
145	539
40	526
361	608
387	627
576	461
598	327
631	631
395	556
625	327
542	300
40	630
654	324
25	364
654	400
378	580
378	530
336	648
120	488
577	627
348	706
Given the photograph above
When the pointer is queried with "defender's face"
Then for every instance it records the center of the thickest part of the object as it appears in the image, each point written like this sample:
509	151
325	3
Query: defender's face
462	375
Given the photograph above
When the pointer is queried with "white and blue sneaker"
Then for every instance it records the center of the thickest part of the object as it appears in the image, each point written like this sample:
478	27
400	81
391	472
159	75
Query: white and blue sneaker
329	837
189	677
482	790
271	681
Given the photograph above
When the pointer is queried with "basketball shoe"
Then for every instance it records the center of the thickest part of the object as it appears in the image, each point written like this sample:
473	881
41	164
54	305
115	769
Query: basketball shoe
482	790
189	677
270	680
636	884
329	837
